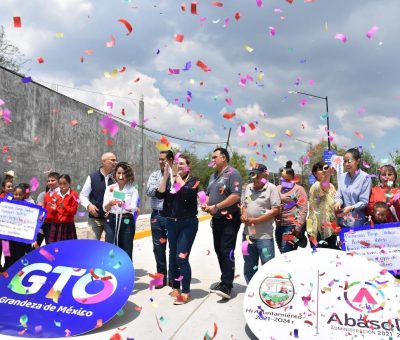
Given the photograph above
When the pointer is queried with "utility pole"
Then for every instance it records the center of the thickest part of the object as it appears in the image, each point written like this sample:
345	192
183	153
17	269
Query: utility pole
229	136
141	146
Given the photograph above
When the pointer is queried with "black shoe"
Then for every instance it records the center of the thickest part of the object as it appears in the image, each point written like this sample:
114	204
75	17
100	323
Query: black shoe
215	287
224	292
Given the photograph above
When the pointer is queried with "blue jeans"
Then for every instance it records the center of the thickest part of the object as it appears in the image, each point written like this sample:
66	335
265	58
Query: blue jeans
283	245
181	235
159	231
125	235
260	249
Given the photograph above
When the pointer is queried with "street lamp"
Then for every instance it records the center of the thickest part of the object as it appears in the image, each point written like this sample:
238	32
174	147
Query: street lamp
327	111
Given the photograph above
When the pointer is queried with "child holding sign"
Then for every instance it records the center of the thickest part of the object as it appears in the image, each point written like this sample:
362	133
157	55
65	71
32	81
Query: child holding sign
14	250
63	226
120	202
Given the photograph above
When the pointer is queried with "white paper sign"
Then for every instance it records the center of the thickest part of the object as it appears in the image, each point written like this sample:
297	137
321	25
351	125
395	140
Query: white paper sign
18	221
380	244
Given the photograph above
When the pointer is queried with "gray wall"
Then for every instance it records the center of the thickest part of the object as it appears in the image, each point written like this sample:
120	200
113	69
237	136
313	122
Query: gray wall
75	150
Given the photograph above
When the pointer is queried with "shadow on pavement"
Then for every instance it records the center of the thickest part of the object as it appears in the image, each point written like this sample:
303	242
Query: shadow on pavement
130	314
249	333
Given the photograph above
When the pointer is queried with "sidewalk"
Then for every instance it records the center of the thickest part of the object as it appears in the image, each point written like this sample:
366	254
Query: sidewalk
160	319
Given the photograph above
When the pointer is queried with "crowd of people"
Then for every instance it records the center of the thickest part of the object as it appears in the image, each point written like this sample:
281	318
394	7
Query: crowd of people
270	214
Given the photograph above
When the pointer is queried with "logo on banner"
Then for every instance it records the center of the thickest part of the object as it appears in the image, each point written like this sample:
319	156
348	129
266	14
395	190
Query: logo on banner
57	291
276	291
364	297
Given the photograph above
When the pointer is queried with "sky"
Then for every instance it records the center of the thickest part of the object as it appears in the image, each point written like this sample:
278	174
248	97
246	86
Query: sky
256	53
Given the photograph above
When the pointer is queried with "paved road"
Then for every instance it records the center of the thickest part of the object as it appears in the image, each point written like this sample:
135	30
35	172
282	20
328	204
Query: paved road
161	319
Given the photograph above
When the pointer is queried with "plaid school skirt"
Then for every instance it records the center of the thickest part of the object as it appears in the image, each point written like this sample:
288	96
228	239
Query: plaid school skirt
62	231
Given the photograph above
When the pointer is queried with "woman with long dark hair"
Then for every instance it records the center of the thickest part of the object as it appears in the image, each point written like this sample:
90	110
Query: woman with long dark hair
180	208
120	202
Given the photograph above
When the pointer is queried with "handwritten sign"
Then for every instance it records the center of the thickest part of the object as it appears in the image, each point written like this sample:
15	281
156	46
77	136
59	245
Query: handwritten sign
20	220
380	243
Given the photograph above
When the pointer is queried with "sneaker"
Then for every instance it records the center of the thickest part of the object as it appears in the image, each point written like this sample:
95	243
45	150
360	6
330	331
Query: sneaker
182	299
224	292
215	287
175	293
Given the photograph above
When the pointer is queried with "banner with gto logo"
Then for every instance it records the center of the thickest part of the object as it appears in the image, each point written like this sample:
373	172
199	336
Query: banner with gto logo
64	288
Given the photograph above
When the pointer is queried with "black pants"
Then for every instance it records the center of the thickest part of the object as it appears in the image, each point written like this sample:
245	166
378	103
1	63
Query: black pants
225	233
17	250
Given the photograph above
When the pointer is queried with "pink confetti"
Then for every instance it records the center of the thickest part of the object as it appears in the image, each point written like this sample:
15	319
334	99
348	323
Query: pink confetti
359	134
272	31
2	102
306	300
211	164
46	254
228	101
34	183
245	245
365	165
6	248
241	130
303	102
226	23
202	197
134	124
372	31
111	43
341	37
109	124
180	278
264	181
259	3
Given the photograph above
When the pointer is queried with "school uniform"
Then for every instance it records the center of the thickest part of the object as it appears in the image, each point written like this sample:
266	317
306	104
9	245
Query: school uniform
47	202
63	226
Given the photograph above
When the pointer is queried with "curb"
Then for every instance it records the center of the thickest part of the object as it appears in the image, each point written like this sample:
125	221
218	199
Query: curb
147	232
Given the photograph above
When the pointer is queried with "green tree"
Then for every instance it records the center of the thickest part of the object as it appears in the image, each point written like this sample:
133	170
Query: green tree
10	55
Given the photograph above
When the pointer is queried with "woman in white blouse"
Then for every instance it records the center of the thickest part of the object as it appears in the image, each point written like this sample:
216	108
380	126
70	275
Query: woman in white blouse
120	203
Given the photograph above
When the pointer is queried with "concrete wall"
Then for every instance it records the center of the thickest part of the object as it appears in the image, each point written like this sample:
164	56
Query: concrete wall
40	137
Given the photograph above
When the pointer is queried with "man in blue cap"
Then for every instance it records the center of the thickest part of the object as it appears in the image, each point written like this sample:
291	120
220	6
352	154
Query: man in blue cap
260	205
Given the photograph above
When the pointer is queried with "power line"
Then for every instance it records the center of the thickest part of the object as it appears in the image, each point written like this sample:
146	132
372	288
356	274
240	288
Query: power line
122	120
78	89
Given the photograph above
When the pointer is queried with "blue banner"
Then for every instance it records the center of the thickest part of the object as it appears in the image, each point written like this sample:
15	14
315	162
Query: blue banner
19	220
64	288
379	243
328	155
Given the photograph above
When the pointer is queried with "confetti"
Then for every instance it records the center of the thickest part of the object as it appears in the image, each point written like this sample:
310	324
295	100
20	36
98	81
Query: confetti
203	66
359	134
40	60
59	35
372	31
46	254
202	197
340	36
180	278
127	25
109	124
217	4
26	80
248	48
272	31
17	22
179	37
111	43
245	245
259	3
229	115
193	7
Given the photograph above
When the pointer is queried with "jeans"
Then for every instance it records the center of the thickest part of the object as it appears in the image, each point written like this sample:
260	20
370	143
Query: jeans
284	245
262	249
96	227
225	233
124	239
181	235
159	231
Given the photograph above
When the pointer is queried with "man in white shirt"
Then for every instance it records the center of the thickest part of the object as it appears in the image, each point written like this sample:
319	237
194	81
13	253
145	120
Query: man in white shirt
92	194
